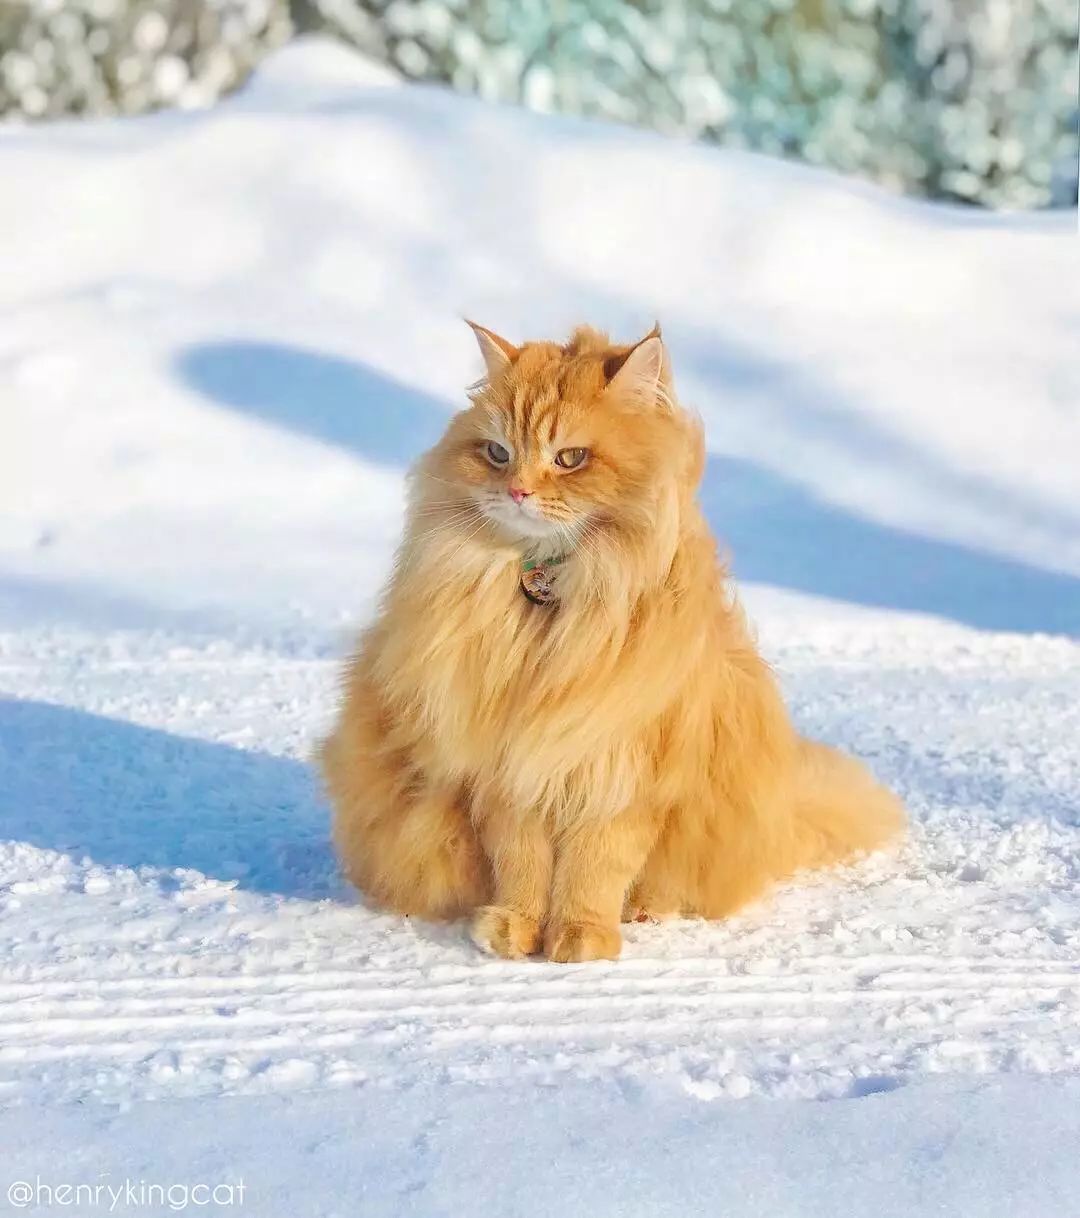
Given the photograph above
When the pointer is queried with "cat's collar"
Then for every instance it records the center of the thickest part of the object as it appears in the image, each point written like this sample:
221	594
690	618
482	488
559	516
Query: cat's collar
537	578
532	564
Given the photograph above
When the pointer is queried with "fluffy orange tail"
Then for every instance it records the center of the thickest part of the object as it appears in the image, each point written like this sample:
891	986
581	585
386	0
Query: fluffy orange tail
841	809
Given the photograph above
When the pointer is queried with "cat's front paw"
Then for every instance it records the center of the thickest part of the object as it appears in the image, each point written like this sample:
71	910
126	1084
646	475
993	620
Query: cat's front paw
574	942
505	932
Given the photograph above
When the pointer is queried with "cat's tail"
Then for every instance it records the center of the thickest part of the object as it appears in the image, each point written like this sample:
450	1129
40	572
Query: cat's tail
840	808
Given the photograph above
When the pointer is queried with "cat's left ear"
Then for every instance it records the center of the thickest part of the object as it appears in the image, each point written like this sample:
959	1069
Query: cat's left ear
645	374
498	353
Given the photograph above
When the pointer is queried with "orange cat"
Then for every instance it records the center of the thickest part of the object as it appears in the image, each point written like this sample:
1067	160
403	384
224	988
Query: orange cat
559	717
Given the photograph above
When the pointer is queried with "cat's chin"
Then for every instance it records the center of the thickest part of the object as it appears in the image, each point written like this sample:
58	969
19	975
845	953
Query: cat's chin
519	526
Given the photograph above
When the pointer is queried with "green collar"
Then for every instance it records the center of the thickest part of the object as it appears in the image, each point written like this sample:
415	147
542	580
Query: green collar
544	562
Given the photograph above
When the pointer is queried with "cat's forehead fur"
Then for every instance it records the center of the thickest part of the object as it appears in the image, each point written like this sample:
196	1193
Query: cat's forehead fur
549	384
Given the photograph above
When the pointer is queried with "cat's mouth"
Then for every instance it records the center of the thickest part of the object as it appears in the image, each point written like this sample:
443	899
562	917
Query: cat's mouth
521	520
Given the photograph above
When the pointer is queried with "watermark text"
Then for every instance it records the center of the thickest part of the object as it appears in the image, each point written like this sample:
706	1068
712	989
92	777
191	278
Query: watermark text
110	1196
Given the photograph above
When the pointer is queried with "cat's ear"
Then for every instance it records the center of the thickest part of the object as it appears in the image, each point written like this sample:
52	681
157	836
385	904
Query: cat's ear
497	352
645	374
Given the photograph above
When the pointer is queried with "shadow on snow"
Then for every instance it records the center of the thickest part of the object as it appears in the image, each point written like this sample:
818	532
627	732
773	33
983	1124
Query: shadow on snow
130	796
779	531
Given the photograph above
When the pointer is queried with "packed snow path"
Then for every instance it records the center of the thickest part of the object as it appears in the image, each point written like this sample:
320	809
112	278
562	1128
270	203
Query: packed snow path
174	925
216	376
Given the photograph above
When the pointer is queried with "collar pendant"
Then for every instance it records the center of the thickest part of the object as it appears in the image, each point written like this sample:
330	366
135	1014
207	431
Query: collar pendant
538	580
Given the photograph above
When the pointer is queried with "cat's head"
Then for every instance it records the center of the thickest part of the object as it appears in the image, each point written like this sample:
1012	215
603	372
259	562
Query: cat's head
561	439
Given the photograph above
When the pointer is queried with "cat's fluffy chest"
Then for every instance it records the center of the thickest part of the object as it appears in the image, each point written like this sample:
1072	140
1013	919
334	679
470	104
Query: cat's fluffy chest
507	691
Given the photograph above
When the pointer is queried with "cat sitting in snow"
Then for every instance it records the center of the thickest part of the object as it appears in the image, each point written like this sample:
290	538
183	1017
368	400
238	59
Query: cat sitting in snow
559	718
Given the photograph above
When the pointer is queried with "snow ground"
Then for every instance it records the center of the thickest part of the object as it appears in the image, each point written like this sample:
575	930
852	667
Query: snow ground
224	336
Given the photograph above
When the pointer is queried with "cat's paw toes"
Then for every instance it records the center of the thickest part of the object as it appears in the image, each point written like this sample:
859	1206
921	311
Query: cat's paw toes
575	942
505	932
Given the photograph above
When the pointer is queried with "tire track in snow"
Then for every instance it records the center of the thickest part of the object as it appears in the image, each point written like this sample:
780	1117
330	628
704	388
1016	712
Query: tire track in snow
313	1012
629	971
329	1004
335	1023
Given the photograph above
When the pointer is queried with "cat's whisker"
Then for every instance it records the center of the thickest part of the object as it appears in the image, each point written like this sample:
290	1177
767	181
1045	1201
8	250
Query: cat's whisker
435	478
461	518
580	550
597	538
449	515
465	540
582	544
452	523
433	509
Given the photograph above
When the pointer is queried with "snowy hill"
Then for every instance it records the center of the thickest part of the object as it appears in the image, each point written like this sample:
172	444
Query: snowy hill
225	336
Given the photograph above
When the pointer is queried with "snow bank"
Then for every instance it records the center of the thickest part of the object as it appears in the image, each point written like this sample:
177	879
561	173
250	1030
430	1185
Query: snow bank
249	319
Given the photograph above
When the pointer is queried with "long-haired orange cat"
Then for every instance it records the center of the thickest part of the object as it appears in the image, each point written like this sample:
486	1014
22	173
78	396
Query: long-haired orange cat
560	718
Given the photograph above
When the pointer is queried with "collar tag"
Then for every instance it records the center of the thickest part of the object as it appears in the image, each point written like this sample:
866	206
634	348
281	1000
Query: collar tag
538	578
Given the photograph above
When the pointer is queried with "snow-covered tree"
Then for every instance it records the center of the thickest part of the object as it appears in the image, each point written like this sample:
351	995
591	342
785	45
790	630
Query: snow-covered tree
125	56
974	100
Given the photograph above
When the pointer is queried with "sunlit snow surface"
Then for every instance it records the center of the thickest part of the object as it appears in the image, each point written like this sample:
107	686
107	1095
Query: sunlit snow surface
224	337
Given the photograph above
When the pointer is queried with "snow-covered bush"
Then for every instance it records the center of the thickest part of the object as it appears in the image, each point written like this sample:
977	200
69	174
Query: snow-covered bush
964	99
125	56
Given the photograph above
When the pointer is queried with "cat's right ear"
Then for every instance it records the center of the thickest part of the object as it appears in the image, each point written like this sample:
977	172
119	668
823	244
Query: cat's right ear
497	352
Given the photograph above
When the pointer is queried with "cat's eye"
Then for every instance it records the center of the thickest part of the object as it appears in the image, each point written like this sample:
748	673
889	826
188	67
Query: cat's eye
496	454
571	458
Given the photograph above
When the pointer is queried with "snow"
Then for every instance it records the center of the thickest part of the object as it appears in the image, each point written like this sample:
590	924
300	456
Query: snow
521	1151
225	335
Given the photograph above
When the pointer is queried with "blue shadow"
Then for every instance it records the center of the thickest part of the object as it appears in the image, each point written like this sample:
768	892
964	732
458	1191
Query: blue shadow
321	396
779	532
125	795
38	602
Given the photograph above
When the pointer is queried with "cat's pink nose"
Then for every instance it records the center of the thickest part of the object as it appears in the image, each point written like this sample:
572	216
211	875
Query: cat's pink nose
517	494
